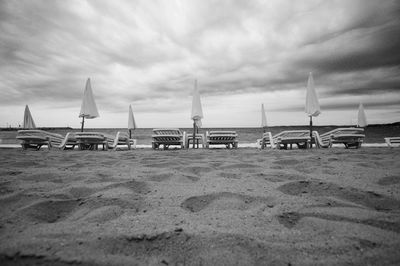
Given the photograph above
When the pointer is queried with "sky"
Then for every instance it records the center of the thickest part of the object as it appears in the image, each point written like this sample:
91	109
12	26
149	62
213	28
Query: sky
243	53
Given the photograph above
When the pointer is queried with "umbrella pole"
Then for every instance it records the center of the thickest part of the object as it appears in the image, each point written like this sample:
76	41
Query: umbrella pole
197	141
194	134
83	123
311	137
130	133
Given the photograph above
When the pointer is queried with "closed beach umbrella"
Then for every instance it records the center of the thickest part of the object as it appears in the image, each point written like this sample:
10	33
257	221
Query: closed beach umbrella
263	117
28	120
312	104
88	107
362	118
197	111
131	121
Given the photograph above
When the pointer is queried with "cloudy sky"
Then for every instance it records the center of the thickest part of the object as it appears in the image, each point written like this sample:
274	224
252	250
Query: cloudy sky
243	53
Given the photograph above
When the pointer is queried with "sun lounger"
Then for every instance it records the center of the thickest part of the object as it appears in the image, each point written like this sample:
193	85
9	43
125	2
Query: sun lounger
321	142
286	139
392	140
351	137
91	140
168	137
35	139
121	138
227	138
199	139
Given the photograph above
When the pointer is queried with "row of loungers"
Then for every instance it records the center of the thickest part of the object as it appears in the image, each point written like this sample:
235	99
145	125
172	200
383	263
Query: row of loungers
174	136
35	139
350	137
162	137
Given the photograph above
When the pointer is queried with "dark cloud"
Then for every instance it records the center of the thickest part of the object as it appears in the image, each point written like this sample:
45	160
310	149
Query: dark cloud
146	52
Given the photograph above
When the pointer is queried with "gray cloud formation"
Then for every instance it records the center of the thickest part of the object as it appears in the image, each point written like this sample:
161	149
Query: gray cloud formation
138	51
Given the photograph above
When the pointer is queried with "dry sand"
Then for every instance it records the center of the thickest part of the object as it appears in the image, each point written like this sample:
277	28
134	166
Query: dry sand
200	207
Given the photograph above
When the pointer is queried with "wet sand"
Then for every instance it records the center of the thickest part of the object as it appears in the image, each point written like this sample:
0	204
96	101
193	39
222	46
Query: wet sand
200	207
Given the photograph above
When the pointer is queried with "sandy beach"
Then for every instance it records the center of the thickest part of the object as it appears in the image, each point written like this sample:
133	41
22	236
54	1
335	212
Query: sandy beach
200	207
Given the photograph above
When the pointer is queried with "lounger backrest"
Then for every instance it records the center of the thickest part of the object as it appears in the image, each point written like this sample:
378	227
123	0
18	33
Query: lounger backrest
222	133
167	131
340	131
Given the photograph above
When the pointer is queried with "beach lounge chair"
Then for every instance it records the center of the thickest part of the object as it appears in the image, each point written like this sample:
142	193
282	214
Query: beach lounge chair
391	141
91	140
321	142
168	137
121	138
286	139
35	139
227	138
198	138
351	137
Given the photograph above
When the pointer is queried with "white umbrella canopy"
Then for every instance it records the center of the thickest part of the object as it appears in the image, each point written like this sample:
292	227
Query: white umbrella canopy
28	120
88	107
197	110
131	121
312	104
263	117
362	118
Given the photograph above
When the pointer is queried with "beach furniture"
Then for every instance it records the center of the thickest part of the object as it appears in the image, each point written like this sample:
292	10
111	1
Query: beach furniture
35	139
392	140
91	140
320	142
198	139
227	138
168	137
121	138
351	137
286	139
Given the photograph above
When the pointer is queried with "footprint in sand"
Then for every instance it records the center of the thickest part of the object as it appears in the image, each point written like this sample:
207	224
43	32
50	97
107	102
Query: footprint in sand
279	177
176	177
81	192
246	166
10	173
100	210
139	187
161	177
389	180
287	162
368	199
222	201
6	188
179	248
229	175
49	211
290	219
197	170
